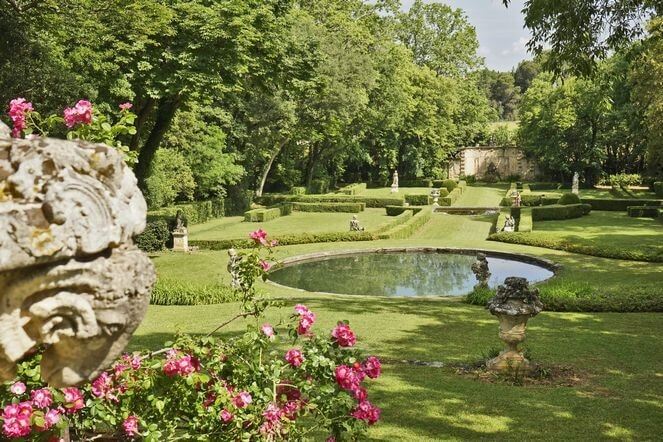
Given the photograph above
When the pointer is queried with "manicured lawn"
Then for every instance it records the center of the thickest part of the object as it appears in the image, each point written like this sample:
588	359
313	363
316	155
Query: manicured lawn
610	229
310	222
617	356
621	194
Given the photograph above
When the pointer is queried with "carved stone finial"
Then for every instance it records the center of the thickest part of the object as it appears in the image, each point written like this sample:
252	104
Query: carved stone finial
514	303
481	270
72	279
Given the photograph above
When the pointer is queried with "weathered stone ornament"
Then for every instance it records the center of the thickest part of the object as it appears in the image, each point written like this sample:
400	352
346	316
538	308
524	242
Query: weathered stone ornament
514	303
180	234
481	270
71	278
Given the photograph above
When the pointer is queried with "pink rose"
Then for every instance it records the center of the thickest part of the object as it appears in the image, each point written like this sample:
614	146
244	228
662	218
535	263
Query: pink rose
41	398
242	399
367	412
102	386
73	399
346	378
51	418
267	330
330	439
126	106
306	319
259	236
343	335
265	265
372	367
294	357
226	416
80	113
18	111
17	388
130	426
290	410
16	419
272	412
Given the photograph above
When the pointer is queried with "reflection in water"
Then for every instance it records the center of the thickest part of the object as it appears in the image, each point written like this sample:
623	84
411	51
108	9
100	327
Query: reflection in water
400	274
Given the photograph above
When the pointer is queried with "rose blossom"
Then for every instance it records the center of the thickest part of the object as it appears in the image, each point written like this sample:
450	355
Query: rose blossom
294	357
73	399
290	409
16	419
80	113
126	106
268	331
265	265
259	236
330	439
41	398
18	110
242	399
51	417
367	412
226	416
130	426
272	412
102	386
306	319
372	367
343	335
346	378
17	388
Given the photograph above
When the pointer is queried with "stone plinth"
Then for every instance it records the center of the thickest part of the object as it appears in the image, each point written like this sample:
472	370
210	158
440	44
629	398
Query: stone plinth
180	241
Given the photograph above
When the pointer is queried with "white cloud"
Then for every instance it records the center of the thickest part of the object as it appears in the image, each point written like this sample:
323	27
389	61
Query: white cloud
517	47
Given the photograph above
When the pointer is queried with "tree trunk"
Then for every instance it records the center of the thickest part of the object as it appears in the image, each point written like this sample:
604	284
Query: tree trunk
166	110
268	167
310	166
141	117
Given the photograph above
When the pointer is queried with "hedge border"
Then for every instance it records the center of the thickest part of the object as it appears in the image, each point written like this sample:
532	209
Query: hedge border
619	205
370	202
329	207
560	212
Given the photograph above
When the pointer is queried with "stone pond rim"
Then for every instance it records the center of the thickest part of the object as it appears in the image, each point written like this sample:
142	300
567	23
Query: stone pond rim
309	257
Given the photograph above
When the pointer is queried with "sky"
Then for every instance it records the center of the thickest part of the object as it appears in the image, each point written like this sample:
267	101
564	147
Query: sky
500	30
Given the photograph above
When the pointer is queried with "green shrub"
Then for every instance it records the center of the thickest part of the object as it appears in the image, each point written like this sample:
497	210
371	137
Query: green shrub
407	229
618	205
286	240
329	207
238	200
451	198
298	190
549	200
416	182
538	239
397	220
167	292
272	199
262	215
544	186
285	208
581	297
397	210
449	184
417	199
353	189
319	186
643	211
568	198
556	212
658	189
155	236
625	179
469	179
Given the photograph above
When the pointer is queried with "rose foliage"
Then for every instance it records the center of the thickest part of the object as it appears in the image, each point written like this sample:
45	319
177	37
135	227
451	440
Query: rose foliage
274	382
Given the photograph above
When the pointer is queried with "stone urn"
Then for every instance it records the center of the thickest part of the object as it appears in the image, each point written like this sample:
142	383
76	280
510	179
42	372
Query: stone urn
514	303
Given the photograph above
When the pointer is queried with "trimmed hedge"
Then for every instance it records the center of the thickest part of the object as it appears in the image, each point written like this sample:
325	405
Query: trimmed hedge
619	205
643	211
155	236
353	189
285	240
658	189
405	230
449	184
569	198
298	190
556	212
397	221
262	215
537	239
319	186
168	292
272	199
329	207
417	199
416	182
544	186
397	210
452	197
195	212
579	297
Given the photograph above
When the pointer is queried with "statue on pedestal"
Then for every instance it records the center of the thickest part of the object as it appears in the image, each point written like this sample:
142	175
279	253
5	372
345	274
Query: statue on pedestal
180	234
394	183
354	225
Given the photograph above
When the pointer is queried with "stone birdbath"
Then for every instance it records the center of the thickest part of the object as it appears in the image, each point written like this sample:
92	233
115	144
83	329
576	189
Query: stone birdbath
514	303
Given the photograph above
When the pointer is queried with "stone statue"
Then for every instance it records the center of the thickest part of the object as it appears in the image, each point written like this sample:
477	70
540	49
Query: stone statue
481	270
514	303
180	234
435	195
179	222
354	225
71	276
509	224
233	268
394	183
576	183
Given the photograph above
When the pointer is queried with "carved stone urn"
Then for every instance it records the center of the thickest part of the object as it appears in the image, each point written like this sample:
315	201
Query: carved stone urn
72	279
514	303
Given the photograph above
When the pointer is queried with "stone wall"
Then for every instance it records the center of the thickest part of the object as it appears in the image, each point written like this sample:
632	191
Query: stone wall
507	160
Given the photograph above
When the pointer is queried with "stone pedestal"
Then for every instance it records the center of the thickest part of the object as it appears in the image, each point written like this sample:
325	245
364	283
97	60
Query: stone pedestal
512	332
180	241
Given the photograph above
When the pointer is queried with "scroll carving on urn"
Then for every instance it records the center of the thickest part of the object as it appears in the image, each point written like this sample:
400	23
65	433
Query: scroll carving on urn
71	278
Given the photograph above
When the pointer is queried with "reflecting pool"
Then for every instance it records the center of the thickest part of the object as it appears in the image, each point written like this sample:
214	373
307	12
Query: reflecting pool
400	274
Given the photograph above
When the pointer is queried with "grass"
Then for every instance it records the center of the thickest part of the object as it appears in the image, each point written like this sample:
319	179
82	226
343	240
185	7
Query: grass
235	227
619	194
618	355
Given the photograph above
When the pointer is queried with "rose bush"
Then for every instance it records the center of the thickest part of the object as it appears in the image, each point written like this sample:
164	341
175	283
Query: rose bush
274	382
81	121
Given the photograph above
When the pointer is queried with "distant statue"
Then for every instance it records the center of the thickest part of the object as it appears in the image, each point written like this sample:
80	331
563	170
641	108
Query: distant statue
234	260
509	224
576	179
180	234
517	199
481	271
354	225
394	183
179	222
435	195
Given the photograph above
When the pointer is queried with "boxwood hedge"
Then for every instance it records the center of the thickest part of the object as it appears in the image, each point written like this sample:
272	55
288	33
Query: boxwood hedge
556	212
271	199
643	211
619	205
329	207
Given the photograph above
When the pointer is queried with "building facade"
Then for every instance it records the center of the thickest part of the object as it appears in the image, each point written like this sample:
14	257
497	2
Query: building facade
481	161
